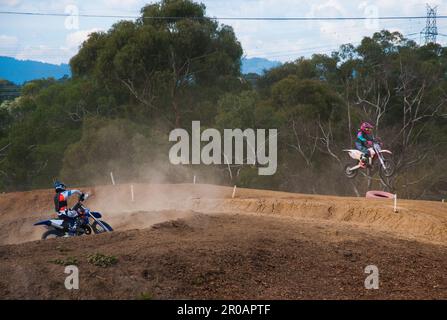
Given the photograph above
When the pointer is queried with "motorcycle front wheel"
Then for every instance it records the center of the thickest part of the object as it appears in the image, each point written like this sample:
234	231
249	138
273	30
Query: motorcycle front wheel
350	173
97	228
387	170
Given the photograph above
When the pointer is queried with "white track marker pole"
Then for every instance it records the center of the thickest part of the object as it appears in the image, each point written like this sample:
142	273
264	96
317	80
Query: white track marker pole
111	176
234	192
443	200
194	180
395	203
131	193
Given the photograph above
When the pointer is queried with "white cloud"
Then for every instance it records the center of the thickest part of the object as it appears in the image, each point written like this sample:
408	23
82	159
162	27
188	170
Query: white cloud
129	5
276	40
287	40
8	41
8	45
55	55
10	3
40	6
74	39
44	53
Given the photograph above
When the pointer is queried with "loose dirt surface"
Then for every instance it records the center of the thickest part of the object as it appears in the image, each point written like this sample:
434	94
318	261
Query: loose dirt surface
195	241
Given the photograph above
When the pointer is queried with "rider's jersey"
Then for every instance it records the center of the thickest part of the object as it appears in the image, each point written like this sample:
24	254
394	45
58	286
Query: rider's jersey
362	138
61	200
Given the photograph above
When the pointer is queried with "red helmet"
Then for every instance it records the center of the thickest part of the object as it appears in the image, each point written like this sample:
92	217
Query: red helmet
366	127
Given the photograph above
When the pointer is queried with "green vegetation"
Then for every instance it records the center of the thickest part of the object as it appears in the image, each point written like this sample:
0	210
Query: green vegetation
66	262
145	296
101	260
97	259
8	90
134	83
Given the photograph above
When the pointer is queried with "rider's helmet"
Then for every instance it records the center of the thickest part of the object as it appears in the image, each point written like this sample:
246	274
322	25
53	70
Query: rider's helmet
366	127
59	186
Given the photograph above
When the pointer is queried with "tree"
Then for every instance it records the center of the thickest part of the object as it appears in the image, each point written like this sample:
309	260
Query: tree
8	90
158	61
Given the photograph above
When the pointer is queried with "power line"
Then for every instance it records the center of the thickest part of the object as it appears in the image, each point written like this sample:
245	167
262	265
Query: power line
218	18
344	31
307	49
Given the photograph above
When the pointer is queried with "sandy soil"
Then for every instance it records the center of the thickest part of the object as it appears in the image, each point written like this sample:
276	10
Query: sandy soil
195	241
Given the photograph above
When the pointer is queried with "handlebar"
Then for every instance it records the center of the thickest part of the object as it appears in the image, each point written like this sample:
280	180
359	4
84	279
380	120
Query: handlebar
79	204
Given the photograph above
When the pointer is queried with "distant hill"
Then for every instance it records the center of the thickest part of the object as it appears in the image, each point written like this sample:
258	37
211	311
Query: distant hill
257	65
19	71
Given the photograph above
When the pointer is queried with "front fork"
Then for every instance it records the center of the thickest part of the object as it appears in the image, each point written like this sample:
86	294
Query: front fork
381	161
100	223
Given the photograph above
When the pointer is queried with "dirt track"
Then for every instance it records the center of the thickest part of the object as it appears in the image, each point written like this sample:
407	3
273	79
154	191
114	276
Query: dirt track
197	242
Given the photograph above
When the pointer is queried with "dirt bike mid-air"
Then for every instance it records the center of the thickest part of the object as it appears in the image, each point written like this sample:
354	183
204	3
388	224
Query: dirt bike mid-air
87	222
378	156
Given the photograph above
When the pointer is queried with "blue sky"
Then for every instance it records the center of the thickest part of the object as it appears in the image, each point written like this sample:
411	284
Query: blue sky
55	40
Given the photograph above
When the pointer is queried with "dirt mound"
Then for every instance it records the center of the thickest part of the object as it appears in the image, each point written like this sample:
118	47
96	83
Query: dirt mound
176	224
419	220
424	222
234	257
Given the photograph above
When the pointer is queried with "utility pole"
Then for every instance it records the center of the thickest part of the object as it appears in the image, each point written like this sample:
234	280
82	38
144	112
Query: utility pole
431	30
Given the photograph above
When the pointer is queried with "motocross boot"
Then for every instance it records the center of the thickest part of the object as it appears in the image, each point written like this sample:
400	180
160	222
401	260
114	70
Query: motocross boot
363	162
72	229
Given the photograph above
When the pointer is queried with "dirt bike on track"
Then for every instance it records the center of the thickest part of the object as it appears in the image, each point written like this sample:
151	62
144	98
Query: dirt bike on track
379	157
87	222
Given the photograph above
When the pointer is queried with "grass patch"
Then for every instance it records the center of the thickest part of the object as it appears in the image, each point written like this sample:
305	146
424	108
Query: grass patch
102	260
66	262
145	296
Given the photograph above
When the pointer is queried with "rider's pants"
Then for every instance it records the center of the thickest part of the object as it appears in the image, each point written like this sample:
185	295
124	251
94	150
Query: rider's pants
69	217
362	148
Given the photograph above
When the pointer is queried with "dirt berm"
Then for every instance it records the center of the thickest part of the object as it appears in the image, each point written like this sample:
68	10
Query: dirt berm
195	241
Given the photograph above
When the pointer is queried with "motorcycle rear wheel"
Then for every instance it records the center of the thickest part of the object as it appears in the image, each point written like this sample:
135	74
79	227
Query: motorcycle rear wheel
49	234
